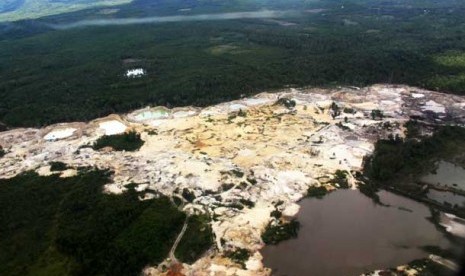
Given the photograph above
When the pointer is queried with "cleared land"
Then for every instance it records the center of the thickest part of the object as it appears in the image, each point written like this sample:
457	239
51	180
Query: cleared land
238	167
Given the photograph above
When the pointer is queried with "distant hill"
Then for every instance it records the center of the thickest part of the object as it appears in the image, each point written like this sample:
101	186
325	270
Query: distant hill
10	5
13	10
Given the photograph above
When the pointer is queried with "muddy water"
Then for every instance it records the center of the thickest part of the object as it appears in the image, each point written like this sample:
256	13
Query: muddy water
449	197
346	234
447	174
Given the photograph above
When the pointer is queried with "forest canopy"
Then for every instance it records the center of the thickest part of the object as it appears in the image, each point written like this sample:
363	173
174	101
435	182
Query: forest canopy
49	76
68	226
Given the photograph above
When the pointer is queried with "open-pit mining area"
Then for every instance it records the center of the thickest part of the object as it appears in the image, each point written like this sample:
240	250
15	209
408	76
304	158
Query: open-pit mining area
267	149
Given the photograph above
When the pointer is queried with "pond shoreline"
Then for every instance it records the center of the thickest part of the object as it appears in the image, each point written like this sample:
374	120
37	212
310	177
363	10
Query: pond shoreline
374	236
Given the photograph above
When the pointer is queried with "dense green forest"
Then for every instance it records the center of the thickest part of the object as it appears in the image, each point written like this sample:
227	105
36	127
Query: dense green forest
49	76
67	226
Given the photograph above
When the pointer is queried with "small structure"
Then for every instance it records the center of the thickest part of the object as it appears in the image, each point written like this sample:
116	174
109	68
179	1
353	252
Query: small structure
134	73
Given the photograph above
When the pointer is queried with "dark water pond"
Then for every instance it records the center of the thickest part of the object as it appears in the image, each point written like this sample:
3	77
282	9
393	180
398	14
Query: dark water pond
345	233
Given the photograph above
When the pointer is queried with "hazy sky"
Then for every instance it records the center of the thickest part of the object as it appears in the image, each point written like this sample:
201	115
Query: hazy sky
175	18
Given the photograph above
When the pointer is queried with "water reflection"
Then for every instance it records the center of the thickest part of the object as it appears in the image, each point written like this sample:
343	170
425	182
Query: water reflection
447	174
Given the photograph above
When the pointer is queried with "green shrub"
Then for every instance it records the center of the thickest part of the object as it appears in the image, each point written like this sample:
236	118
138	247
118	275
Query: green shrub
276	214
57	166
377	114
335	110
288	103
188	195
197	239
129	141
340	178
227	186
317	192
275	234
239	256
247	202
348	110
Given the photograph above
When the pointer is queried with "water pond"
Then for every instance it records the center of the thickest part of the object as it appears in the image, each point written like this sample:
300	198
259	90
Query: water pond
345	233
447	174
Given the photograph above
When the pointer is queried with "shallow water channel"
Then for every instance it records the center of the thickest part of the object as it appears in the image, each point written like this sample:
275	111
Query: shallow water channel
345	233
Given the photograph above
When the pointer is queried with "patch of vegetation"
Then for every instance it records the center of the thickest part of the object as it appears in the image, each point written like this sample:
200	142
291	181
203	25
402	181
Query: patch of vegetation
243	185
237	173
242	113
251	180
340	178
197	239
57	166
247	202
288	103
276	214
235	205
188	195
317	192
239	256
177	201
348	110
129	141
377	114
2	152
335	110
227	186
370	190
145	241
67	226
412	129
275	234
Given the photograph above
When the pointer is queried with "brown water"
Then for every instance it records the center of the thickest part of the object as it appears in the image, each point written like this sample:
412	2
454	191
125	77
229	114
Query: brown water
346	234
449	197
447	174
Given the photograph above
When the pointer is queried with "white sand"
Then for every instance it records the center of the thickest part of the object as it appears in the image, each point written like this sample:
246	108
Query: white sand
59	134
113	127
183	114
417	95
291	210
434	107
237	107
114	189
454	225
